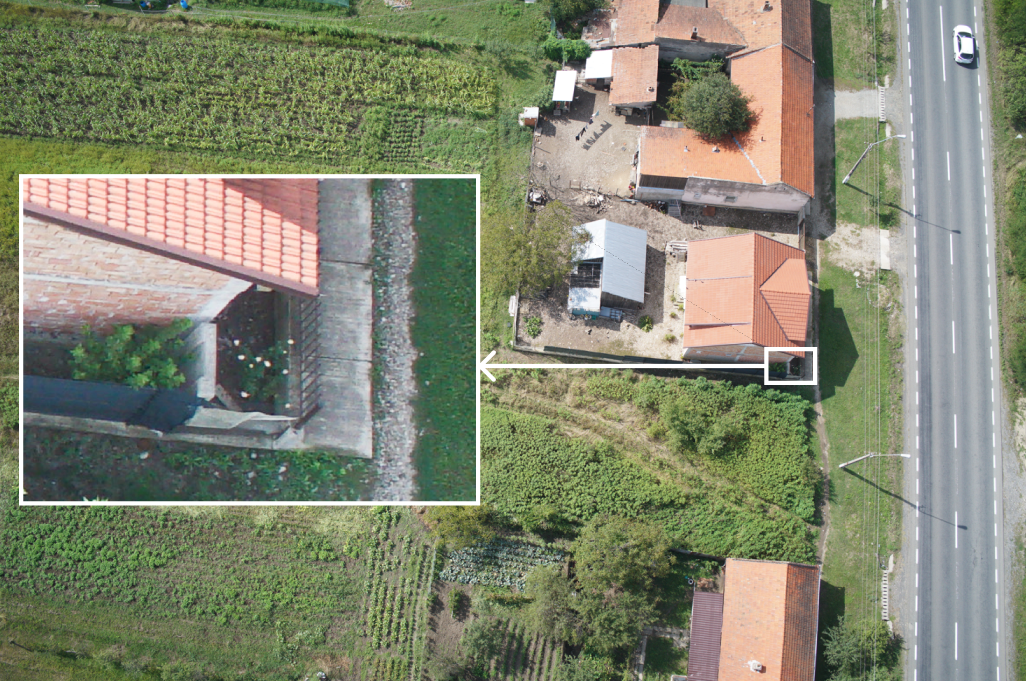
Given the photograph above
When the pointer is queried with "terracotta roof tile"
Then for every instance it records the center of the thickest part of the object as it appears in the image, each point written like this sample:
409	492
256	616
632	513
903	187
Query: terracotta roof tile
745	289
770	613
676	22
788	22
635	75
238	221
679	152
635	21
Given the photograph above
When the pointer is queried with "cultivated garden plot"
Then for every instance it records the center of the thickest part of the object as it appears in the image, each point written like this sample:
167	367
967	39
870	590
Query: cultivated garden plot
500	562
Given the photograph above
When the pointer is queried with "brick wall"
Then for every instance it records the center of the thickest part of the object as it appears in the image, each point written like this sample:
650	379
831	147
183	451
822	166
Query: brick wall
73	278
749	354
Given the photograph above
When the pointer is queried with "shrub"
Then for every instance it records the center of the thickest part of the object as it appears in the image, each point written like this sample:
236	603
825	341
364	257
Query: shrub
565	50
714	107
456	600
657	431
645	323
564	10
532	325
669	338
263	373
9	405
141	357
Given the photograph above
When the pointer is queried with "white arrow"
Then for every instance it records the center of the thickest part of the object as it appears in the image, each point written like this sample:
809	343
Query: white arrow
680	365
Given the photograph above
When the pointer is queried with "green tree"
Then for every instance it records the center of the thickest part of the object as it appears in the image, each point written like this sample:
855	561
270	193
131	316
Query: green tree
461	526
482	638
615	552
854	648
614	619
529	250
712	106
565	10
565	50
551	613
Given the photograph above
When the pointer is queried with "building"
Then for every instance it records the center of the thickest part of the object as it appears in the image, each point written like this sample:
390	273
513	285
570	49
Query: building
764	625
768	49
105	252
742	294
610	270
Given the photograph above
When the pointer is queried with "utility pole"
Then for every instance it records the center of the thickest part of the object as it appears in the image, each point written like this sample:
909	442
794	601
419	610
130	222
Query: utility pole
848	176
870	456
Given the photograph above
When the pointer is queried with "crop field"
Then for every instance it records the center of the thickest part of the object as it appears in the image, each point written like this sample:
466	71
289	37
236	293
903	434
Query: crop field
267	592
219	94
643	446
524	656
500	562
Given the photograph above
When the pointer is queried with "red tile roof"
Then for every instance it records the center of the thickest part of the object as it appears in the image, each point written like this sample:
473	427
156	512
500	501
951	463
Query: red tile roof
745	289
266	227
788	22
679	152
635	21
676	22
635	75
770	613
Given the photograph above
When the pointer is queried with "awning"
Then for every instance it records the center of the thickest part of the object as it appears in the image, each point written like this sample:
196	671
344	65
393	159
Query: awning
566	82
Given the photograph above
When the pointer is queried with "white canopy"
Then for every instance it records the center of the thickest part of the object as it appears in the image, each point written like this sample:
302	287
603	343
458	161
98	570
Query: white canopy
566	82
589	299
599	65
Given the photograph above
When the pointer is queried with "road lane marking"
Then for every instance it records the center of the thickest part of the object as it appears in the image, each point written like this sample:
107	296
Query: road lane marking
917	422
917	539
913	150
909	45
956	546
995	507
988	258
951	246
997	624
949	166
995	595
917	370
992	419
995	489
917	311
995	534
956	640
956	438
944	60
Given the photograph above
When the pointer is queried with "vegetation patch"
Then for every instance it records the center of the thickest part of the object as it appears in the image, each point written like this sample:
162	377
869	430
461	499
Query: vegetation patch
444	294
138	356
500	562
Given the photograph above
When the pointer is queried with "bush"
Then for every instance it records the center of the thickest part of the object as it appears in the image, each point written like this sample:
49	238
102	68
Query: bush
9	405
1013	63
456	603
645	323
141	357
262	374
713	106
669	338
1011	21
565	10
532	325
565	50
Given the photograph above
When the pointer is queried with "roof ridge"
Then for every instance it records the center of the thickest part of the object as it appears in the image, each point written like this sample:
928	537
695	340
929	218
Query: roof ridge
754	167
795	50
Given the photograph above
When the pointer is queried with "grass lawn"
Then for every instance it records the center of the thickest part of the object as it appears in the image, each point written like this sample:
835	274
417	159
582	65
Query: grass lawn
876	181
663	659
856	378
844	44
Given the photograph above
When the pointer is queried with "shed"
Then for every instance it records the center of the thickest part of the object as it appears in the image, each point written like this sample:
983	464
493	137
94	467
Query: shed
610	269
566	83
529	116
599	66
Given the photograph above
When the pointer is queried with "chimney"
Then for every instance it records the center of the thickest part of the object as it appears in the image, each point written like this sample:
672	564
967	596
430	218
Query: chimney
685	149
767	7
755	666
716	150
694	32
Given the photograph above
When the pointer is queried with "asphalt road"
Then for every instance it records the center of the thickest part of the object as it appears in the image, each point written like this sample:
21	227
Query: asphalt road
957	605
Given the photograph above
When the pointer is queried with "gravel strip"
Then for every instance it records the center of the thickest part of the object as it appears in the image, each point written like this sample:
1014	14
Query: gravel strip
395	384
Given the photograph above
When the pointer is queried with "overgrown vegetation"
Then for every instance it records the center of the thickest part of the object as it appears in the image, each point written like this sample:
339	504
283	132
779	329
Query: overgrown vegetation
745	492
855	649
138	356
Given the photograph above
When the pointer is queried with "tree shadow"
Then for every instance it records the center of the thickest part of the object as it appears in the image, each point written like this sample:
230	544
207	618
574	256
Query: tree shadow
835	335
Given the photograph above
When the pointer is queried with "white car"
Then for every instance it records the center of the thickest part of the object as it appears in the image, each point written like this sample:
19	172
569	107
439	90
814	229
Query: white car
965	45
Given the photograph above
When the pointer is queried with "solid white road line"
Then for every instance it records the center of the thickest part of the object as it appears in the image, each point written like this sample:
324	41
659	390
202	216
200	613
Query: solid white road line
956	640
949	166
944	60
956	431
951	246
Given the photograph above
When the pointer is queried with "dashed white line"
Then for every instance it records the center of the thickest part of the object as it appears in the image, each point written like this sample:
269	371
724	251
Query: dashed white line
956	640
956	436
949	166
997	624
956	546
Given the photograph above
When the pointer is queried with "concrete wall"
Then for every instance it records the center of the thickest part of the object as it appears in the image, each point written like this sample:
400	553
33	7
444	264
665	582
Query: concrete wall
774	197
748	353
72	278
692	50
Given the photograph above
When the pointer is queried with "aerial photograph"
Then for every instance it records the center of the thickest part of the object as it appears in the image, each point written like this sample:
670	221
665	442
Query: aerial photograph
519	340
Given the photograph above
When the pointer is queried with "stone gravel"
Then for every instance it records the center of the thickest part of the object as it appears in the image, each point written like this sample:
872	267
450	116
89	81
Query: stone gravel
395	433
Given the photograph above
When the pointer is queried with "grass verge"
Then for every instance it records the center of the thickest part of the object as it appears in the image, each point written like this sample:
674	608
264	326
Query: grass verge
444	331
876	183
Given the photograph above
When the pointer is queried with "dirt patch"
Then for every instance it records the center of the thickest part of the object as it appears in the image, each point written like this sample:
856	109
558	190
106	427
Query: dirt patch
855	248
444	631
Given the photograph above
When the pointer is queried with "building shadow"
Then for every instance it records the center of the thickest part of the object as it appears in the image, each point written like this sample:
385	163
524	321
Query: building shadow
836	343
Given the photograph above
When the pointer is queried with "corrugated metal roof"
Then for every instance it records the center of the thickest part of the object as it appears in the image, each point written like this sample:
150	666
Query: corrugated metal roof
623	253
706	627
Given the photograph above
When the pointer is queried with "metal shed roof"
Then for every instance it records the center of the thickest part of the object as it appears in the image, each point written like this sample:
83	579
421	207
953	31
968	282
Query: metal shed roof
589	299
706	628
623	253
566	82
599	65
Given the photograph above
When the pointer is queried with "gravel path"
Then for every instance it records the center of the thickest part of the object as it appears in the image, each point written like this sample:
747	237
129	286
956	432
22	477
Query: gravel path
395	248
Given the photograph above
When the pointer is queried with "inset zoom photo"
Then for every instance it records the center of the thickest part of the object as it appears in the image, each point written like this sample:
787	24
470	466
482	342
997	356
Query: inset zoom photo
247	339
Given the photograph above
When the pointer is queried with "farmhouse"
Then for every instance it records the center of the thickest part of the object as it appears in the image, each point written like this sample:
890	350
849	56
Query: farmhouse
105	252
610	270
742	294
768	48
764	623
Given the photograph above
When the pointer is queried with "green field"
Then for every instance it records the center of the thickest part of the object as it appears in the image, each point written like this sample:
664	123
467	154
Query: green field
214	594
